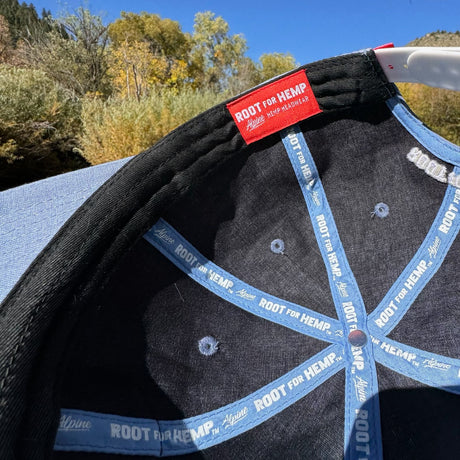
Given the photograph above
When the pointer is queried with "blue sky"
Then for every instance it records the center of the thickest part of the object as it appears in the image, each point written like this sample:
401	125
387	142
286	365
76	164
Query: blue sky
310	30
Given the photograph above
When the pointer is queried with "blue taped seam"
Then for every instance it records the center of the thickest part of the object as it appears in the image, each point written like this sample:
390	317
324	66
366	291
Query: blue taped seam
438	146
321	213
288	401
168	241
254	418
337	265
433	266
418	364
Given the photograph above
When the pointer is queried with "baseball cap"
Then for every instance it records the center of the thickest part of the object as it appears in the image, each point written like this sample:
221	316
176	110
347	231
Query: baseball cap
275	278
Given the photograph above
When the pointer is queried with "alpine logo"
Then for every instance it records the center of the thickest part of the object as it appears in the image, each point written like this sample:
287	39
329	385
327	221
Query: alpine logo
232	419
360	388
69	423
245	294
162	234
435	364
253	123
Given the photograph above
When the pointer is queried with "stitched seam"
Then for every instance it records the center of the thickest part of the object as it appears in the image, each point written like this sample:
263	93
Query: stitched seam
222	292
91	205
270	412
452	361
8	375
169	159
320	66
372	72
281	321
347	420
207	284
411	375
112	449
374	391
413	131
288	401
378	72
422	248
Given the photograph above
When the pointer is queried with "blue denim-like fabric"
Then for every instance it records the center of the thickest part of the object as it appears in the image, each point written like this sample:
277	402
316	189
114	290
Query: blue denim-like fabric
32	214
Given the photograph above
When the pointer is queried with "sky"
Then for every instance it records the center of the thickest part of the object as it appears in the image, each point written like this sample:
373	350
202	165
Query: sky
310	30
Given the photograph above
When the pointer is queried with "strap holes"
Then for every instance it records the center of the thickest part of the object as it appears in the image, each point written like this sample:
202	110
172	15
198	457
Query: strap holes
208	345
277	246
381	210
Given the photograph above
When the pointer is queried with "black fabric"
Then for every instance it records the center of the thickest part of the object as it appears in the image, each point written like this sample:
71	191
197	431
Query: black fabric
102	322
232	218
418	421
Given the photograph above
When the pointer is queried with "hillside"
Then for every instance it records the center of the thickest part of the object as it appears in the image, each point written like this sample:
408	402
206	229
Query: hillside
439	38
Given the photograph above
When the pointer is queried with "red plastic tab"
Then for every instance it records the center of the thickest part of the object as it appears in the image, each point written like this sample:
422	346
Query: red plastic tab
386	45
274	106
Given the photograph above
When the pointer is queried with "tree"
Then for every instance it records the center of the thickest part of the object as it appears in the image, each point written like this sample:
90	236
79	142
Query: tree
274	64
131	67
215	55
148	51
164	36
246	76
23	20
249	73
438	108
6	48
91	37
74	54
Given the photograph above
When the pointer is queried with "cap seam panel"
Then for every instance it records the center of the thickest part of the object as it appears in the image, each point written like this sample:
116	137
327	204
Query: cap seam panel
56	245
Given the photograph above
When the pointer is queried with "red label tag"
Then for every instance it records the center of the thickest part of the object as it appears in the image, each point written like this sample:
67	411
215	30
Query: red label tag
274	106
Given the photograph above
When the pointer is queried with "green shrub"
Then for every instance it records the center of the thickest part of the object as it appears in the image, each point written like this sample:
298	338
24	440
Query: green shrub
117	128
27	95
39	125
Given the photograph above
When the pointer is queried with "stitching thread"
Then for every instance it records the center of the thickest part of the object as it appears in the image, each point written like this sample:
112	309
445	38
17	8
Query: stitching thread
33	269
270	412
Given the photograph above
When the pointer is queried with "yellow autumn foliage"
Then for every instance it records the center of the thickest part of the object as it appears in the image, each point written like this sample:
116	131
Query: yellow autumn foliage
439	109
117	128
136	72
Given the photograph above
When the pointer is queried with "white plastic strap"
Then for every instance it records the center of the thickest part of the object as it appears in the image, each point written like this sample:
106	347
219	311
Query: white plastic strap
438	67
